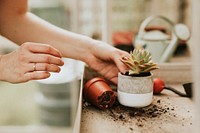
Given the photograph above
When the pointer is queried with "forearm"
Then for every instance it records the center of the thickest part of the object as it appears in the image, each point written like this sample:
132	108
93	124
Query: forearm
20	26
27	27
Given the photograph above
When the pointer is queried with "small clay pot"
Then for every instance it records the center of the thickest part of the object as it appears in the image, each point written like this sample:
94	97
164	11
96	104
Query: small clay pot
98	93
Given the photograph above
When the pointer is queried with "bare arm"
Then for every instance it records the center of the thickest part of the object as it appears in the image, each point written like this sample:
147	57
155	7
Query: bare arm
20	26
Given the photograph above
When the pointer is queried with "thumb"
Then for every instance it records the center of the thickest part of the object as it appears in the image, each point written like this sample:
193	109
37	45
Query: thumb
120	65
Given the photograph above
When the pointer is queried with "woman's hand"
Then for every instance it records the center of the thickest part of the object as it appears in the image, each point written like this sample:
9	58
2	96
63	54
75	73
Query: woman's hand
105	59
31	61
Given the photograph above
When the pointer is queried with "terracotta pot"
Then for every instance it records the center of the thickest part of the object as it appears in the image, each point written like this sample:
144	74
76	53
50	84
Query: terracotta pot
98	93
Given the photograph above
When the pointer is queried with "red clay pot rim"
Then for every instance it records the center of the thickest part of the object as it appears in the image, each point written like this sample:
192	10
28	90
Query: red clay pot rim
95	102
93	80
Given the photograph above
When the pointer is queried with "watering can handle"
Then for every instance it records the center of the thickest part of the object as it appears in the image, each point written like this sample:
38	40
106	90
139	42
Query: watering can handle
149	20
173	43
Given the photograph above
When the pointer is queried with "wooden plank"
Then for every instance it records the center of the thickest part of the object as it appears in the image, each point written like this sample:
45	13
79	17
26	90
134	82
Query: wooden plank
195	49
106	21
174	73
75	13
34	129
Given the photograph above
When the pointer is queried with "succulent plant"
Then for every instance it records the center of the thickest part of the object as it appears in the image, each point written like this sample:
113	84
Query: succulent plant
140	61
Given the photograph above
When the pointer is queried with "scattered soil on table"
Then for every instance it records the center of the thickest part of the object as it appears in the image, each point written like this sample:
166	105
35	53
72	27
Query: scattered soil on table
124	114
119	112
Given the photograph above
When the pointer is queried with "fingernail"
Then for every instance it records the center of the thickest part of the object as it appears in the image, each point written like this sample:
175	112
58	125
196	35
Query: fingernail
62	63
124	57
125	72
58	70
60	55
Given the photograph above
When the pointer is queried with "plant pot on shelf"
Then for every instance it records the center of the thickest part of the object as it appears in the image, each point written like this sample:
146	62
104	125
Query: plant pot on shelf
135	91
135	88
98	93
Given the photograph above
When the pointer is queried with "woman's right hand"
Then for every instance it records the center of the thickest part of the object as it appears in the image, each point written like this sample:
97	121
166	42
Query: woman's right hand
31	61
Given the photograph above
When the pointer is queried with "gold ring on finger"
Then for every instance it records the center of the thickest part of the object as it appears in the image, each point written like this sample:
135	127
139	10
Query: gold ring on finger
34	67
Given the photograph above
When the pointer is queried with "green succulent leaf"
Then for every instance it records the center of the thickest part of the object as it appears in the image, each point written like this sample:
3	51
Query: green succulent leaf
140	61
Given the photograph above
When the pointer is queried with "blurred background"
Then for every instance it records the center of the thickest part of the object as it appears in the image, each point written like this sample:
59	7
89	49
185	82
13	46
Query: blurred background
116	21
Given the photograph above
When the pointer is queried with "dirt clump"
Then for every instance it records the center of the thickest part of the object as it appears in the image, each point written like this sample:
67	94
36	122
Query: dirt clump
121	113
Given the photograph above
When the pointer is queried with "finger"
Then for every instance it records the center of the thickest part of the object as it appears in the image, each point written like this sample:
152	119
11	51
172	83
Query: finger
45	58
116	57
120	65
44	48
114	80
44	67
36	75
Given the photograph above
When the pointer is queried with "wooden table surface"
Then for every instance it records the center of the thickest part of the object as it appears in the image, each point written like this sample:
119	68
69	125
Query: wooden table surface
174	115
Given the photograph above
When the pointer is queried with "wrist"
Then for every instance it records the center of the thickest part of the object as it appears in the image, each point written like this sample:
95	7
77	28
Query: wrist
88	49
103	50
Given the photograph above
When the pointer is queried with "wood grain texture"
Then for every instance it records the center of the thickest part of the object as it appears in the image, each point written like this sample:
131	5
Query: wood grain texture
196	60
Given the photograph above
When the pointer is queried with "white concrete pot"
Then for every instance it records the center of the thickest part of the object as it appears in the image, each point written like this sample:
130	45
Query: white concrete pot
135	91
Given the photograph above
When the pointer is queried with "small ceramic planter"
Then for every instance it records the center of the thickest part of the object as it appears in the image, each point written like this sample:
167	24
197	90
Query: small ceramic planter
97	92
135	91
